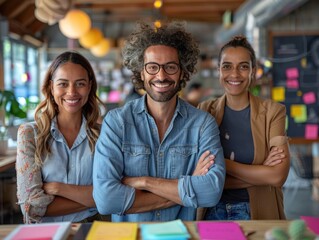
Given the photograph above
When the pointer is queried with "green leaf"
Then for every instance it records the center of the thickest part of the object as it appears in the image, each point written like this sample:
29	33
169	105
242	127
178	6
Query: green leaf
11	106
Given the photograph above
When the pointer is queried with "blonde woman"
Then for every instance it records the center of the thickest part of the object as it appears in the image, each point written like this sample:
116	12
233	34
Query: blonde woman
55	153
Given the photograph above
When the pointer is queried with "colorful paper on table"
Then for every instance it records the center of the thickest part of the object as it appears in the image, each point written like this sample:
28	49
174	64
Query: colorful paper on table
172	230
312	223
292	73
292	83
311	131
278	94
309	98
111	230
298	112
43	231
220	230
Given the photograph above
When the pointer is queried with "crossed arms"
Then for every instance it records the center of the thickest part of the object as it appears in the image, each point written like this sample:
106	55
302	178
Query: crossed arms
114	194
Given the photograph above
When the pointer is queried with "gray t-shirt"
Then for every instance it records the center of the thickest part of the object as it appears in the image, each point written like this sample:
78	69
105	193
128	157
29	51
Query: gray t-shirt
237	141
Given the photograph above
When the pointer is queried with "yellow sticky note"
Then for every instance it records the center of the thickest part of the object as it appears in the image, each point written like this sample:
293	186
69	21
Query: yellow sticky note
298	112
278	94
110	230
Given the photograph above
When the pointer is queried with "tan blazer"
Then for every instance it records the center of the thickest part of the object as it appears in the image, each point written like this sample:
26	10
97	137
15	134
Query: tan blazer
267	120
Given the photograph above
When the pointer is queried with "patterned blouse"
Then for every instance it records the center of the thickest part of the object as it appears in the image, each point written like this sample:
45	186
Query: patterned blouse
66	165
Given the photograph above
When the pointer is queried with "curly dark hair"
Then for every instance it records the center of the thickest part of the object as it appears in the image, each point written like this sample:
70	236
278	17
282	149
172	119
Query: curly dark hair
171	34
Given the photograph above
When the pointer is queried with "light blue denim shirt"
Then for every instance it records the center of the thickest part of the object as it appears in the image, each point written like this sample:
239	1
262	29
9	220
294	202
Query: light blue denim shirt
129	145
69	165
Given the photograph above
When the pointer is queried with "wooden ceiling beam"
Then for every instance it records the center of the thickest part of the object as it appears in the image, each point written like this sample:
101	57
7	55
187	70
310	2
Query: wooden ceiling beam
37	26
111	6
17	28
198	19
10	9
205	8
20	8
238	2
124	2
27	17
149	5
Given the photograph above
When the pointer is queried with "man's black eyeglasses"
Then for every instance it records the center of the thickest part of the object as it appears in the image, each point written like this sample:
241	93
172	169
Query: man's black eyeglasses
153	68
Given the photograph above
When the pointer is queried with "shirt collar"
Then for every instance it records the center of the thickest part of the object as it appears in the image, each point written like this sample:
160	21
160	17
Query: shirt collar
55	132
140	106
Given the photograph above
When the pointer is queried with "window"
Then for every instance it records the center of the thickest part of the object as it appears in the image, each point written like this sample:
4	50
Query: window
21	73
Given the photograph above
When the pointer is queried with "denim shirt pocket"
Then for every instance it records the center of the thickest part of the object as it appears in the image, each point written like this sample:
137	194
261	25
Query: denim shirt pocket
183	162
136	159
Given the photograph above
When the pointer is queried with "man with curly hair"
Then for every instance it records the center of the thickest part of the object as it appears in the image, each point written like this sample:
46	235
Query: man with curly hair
158	158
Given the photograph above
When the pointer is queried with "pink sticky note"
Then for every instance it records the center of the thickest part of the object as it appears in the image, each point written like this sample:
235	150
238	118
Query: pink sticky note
220	230
309	98
311	131
114	96
38	233
292	73
292	83
312	223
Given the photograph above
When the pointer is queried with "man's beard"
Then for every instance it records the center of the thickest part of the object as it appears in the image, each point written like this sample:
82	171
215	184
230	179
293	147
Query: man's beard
162	96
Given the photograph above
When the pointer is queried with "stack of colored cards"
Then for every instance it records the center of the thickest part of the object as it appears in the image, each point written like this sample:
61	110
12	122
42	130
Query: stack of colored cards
173	230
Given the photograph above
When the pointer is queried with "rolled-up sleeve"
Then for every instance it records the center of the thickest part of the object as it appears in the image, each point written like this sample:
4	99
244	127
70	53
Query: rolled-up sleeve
205	190
110	195
31	197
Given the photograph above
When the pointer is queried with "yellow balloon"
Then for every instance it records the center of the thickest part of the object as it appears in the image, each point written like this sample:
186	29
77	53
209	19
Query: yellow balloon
102	48
91	38
75	24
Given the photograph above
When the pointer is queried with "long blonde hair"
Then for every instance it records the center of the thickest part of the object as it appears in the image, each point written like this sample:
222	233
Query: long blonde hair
48	109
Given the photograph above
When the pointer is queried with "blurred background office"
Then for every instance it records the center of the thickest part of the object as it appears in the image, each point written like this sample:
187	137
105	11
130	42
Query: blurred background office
284	34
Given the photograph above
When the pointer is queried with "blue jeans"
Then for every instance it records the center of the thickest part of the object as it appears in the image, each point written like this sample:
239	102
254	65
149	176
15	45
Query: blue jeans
229	211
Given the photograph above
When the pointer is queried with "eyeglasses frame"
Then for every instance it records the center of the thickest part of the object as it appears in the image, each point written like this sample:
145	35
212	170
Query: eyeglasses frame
163	67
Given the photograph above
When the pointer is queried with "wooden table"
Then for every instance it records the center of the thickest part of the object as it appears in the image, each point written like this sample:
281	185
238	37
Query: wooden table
256	229
8	161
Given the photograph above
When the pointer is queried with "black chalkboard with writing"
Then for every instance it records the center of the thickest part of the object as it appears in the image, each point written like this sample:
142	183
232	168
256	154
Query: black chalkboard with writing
295	60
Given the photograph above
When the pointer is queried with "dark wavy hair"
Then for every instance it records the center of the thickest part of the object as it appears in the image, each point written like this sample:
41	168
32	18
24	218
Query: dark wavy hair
239	41
171	34
48	109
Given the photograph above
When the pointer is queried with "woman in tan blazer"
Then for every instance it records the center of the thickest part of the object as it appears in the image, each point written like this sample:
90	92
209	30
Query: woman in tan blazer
252	132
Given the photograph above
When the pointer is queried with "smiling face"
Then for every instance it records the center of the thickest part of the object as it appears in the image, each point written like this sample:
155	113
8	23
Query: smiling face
70	87
161	87
236	71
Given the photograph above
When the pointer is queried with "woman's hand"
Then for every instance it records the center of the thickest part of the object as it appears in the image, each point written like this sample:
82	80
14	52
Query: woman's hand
52	188
275	157
205	161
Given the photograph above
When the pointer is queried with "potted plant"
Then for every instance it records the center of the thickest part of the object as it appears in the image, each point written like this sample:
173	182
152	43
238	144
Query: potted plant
9	108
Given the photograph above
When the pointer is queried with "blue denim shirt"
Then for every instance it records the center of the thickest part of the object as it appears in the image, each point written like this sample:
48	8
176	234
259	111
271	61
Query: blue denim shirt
69	165
129	145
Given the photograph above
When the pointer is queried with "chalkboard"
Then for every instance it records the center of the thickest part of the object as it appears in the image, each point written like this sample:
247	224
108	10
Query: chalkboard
295	71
